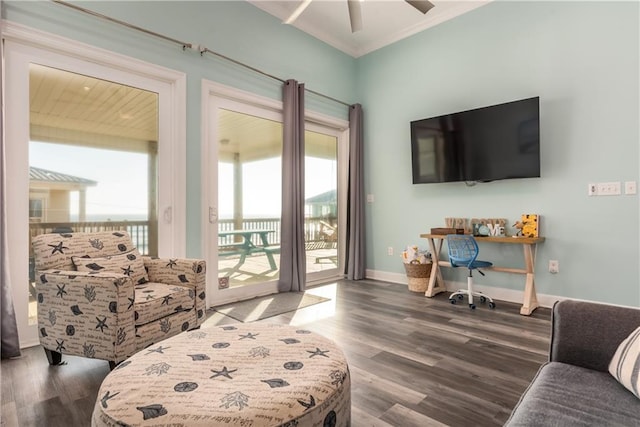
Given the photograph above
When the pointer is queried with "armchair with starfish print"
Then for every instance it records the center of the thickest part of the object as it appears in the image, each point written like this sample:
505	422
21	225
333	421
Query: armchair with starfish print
99	298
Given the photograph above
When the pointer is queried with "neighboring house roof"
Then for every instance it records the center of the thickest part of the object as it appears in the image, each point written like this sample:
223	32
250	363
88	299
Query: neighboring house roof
326	198
43	175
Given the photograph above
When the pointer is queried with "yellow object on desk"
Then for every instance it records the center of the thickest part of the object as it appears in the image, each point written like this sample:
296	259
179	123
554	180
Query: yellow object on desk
436	281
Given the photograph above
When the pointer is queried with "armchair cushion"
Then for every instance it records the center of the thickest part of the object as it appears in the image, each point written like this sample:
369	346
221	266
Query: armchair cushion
54	251
625	364
129	263
157	300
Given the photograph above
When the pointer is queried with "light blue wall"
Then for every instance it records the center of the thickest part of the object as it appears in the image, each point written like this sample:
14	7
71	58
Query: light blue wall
233	28
581	58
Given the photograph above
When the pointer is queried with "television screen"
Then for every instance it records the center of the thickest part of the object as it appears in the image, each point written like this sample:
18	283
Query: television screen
485	144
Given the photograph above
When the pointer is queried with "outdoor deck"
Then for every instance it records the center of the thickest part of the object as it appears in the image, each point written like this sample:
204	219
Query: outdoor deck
256	268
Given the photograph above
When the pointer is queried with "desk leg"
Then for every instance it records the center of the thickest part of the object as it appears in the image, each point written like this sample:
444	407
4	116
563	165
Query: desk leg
436	282
530	299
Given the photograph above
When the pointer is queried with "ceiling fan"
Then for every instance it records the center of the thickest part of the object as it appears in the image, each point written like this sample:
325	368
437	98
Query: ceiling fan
355	13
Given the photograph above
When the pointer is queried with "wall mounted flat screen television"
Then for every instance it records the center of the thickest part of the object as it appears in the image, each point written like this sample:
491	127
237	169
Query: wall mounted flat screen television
485	144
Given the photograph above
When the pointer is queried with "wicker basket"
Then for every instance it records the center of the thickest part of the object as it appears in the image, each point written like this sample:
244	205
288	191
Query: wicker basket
418	276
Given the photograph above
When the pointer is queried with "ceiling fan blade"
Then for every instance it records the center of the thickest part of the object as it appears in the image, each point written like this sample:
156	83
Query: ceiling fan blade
301	7
355	15
423	6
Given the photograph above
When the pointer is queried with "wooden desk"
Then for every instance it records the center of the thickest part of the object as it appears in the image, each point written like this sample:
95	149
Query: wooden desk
436	282
247	247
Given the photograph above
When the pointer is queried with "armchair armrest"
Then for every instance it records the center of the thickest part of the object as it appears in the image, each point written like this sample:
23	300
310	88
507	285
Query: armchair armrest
182	272
178	271
87	314
587	334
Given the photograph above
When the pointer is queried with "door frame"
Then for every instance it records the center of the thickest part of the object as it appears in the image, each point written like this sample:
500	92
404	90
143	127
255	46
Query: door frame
25	45
212	95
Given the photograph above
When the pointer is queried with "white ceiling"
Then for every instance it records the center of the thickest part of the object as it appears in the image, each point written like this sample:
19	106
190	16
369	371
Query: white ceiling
384	21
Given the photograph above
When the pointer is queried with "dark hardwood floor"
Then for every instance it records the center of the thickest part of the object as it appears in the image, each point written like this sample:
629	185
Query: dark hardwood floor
414	361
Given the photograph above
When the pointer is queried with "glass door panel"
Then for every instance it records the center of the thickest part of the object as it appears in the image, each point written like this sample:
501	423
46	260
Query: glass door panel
249	152
92	159
321	204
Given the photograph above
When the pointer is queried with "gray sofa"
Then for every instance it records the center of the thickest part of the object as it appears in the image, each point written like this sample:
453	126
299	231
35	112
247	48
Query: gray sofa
575	387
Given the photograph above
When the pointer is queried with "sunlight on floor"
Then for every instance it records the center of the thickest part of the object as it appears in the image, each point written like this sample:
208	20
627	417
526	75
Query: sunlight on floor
260	308
317	311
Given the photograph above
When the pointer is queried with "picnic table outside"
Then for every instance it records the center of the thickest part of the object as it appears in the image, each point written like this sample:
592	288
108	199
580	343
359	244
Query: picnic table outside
247	246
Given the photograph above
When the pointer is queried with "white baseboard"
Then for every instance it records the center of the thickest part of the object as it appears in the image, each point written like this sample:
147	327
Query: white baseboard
497	293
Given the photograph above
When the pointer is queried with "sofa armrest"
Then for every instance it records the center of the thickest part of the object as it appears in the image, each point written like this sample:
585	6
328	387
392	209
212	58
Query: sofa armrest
86	314
587	334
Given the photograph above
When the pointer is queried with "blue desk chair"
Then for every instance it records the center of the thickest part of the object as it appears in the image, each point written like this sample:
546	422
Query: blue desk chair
463	251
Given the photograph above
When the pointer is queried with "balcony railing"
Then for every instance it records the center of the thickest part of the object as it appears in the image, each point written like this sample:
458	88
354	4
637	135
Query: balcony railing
315	230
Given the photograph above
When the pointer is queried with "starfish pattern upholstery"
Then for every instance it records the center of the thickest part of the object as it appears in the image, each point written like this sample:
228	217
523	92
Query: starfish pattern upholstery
98	297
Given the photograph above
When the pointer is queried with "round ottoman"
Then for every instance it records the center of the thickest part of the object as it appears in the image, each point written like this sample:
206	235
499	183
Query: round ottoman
255	374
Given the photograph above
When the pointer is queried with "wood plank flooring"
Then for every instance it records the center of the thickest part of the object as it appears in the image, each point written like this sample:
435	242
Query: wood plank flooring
414	361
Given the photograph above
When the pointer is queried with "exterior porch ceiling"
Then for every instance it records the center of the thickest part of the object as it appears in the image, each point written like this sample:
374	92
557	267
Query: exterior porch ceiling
71	108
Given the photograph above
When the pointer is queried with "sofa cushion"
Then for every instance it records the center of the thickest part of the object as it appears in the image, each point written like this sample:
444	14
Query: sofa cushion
567	395
154	301
129	263
625	364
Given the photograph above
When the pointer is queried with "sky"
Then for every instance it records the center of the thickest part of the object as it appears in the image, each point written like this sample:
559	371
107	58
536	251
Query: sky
121	176
263	188
121	191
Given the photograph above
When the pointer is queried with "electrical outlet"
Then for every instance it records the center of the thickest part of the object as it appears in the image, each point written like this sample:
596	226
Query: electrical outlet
370	198
593	190
389	251
554	266
630	187
609	189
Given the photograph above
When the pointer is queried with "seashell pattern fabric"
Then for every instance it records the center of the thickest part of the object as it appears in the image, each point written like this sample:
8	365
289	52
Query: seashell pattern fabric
154	300
255	374
128	263
54	251
100	313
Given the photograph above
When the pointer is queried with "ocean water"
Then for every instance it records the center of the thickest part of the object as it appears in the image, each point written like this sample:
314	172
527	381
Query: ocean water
112	217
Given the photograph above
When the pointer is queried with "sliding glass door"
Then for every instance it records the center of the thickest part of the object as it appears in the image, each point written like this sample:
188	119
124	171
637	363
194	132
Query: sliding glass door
243	185
249	150
90	146
93	148
322	231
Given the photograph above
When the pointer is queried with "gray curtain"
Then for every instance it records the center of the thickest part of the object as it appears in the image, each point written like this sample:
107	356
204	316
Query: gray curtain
9	328
355	265
292	253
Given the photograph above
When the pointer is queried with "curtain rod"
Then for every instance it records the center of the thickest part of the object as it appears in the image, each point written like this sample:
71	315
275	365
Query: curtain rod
126	24
185	45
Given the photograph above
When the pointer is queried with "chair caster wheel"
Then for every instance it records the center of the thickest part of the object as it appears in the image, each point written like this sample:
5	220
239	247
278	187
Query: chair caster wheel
452	301
483	300
460	297
492	304
472	306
